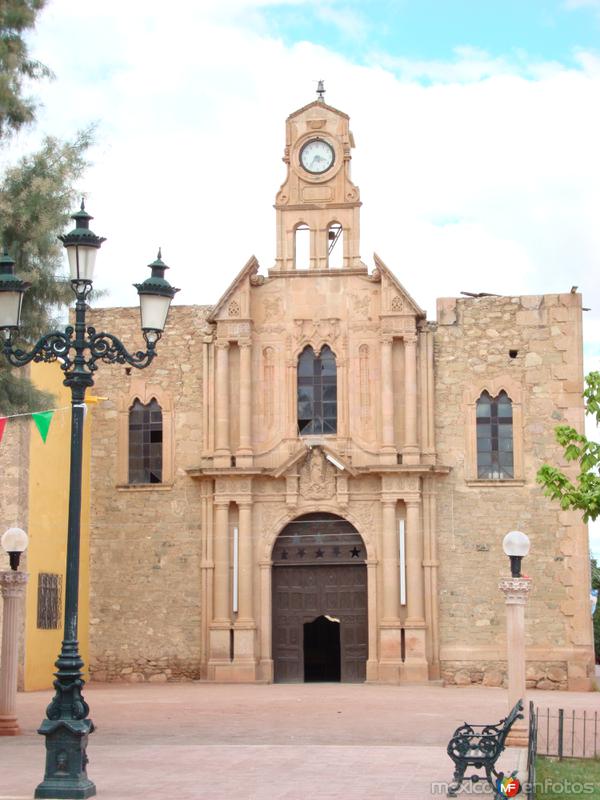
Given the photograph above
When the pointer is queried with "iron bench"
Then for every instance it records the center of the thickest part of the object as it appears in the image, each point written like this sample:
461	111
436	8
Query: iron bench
479	746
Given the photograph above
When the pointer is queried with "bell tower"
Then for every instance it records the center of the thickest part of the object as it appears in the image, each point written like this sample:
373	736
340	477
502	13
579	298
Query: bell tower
318	202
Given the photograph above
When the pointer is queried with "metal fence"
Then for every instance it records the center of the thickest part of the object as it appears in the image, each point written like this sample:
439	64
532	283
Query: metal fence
531	751
567	733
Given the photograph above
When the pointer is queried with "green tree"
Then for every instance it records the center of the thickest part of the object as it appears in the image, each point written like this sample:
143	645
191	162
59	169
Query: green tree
37	196
16	67
596	585
584	494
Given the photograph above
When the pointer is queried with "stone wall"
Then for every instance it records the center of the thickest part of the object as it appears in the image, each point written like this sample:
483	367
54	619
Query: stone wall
531	347
145	614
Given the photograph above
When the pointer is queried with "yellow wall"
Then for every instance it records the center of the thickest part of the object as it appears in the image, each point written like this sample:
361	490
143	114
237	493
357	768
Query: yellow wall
47	527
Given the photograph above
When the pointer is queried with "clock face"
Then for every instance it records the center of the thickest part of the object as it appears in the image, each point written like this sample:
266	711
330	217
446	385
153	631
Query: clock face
317	156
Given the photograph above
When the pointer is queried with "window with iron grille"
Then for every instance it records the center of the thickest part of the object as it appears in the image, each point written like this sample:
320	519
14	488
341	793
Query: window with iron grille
49	600
317	392
145	442
495	459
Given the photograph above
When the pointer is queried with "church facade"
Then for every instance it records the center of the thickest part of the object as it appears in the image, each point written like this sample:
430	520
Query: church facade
312	481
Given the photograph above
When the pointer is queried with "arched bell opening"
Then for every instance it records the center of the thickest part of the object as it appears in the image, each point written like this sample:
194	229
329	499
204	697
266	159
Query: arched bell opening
319	601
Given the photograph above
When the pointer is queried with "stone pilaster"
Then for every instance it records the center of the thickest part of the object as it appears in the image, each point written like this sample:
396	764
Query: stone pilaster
410	449
244	452
12	588
390	643
244	651
222	447
388	449
415	665
516	592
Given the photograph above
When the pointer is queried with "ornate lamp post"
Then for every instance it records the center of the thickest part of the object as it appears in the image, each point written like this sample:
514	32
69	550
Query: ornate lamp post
78	348
516	590
12	589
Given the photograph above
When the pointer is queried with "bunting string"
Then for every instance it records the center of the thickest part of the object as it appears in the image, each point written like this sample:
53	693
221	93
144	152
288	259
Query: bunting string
41	420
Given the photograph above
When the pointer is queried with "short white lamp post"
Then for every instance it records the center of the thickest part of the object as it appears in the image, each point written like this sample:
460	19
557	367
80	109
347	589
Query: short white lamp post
516	590
12	588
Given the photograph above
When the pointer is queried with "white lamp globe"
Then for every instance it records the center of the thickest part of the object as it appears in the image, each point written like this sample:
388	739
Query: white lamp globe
516	543
14	540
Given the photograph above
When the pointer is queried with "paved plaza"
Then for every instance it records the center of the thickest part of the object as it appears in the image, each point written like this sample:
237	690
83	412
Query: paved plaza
198	741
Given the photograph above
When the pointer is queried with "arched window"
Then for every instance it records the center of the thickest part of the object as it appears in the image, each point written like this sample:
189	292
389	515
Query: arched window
302	247
335	246
317	392
145	443
495	459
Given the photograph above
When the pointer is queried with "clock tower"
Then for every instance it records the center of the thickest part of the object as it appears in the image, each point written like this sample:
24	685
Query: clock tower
318	199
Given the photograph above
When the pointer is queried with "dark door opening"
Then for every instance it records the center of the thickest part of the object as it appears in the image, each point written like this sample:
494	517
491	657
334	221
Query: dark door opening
322	660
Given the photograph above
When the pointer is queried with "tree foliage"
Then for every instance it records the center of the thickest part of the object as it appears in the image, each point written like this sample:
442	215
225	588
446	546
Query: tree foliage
596	585
584	494
16	67
37	196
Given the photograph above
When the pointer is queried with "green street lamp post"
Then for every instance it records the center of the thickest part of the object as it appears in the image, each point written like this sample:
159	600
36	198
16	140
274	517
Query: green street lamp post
78	347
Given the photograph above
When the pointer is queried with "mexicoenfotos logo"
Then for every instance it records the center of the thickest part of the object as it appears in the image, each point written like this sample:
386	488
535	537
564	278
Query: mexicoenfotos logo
508	787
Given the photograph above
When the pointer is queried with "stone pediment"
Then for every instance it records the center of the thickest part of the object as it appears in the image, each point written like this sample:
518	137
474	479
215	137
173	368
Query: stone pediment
309	460
235	302
395	298
320	105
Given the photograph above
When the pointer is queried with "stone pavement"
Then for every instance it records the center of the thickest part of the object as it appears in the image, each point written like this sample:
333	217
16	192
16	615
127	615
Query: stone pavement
197	741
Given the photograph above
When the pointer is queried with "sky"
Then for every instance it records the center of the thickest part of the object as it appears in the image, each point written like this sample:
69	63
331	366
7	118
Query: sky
477	128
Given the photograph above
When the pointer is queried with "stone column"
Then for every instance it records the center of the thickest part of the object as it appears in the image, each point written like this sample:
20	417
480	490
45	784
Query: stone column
415	666
388	449
266	622
222	451
410	449
12	588
516	591
390	553
372	663
244	657
222	586
245	612
244	453
390	641
415	599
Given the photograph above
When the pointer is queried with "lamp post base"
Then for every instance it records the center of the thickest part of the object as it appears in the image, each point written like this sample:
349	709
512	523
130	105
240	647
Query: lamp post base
66	760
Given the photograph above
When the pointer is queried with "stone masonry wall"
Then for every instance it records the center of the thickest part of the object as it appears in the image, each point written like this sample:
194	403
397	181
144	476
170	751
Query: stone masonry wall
473	341
145	615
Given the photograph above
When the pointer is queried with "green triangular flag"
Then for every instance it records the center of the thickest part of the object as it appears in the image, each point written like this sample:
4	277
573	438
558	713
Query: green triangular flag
42	421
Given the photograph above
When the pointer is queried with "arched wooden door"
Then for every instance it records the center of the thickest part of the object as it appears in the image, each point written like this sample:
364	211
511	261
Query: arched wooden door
319	570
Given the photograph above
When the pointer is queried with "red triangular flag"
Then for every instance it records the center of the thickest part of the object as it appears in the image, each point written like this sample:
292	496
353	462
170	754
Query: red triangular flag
2	426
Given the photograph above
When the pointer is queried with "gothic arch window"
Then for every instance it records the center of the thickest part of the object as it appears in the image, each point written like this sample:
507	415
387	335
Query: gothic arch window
302	246
145	442
495	458
145	438
317	392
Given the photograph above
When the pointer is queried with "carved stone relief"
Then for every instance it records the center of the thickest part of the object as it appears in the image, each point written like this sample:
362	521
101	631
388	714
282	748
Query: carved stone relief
273	309
306	330
233	309
317	477
360	305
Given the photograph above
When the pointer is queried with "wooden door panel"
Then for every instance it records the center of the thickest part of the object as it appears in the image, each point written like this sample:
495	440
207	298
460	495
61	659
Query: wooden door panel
302	593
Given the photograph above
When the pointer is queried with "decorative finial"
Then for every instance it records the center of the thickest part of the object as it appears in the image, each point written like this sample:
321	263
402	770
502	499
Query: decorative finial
321	91
83	204
159	256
